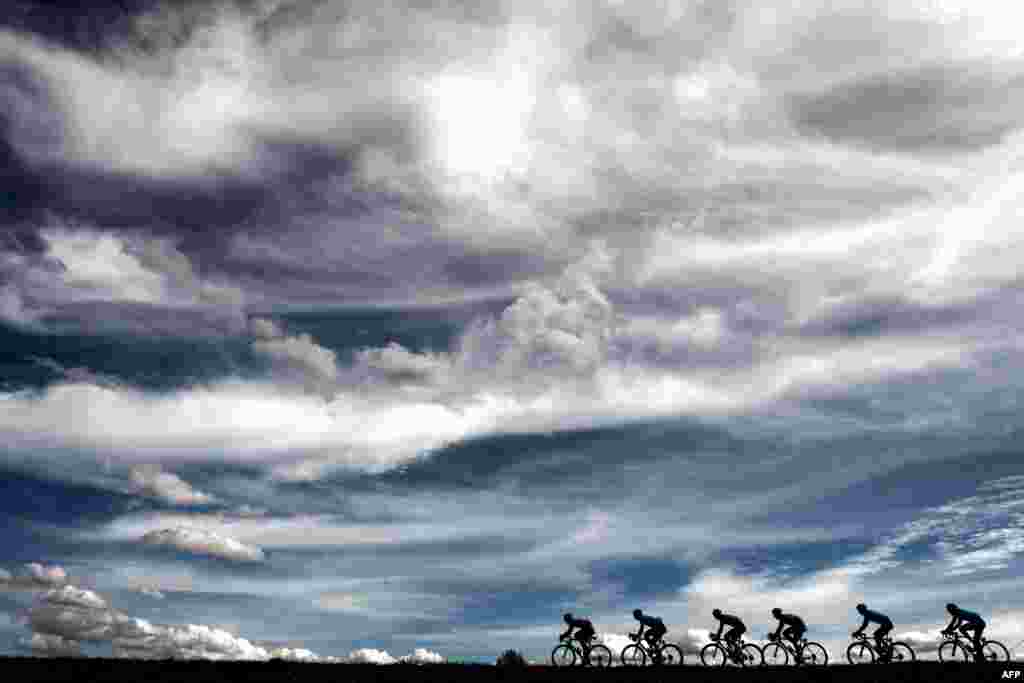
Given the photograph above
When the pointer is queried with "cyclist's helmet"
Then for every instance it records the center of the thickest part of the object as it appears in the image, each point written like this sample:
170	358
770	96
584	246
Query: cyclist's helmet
951	607
776	612
567	616
637	613
861	607
716	612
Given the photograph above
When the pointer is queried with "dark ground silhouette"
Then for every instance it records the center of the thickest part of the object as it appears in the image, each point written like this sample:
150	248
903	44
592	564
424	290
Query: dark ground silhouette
117	671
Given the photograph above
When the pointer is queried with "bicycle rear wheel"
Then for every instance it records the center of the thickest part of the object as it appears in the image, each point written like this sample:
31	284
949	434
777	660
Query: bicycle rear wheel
599	656
815	654
901	652
671	655
952	651
713	654
775	655
860	653
563	655
751	655
633	655
994	651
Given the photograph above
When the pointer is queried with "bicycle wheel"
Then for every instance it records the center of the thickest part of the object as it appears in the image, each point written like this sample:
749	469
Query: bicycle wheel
815	654
751	655
860	653
713	654
671	655
994	651
775	655
901	652
952	651
633	655
563	655
600	656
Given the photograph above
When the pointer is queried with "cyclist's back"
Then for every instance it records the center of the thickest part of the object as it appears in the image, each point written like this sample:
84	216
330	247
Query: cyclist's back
735	624
585	628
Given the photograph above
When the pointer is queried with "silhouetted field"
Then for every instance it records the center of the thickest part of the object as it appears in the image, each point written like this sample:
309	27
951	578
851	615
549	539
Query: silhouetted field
87	670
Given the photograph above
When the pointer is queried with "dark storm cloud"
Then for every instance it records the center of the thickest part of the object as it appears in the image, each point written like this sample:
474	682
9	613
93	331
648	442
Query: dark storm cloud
935	109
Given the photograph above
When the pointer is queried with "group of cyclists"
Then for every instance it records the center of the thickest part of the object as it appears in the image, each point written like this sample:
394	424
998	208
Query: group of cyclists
790	627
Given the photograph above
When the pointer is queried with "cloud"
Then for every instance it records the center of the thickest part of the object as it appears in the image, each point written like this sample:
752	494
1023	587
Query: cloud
47	645
422	656
370	656
140	639
313	364
44	574
74	614
167	486
40	577
204	543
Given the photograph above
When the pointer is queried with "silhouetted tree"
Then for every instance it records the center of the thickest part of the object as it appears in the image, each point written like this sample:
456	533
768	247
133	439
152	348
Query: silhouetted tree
511	658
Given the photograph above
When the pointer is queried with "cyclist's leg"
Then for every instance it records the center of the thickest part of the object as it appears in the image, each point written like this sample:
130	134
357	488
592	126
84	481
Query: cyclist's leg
880	633
978	654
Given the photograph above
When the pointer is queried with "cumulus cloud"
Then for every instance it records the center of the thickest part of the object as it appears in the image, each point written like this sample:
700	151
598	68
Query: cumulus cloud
152	481
370	656
204	543
140	639
422	656
313	364
48	645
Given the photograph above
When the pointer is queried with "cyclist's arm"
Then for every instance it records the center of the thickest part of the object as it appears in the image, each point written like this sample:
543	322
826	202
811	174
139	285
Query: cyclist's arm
953	624
862	626
568	631
779	629
721	625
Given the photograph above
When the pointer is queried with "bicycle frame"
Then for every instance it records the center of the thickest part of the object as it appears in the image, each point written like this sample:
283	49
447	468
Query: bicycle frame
963	641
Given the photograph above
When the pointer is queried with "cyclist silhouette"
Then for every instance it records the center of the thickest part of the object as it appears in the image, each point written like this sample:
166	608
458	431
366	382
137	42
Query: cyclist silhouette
735	624
585	632
884	626
966	621
795	626
655	628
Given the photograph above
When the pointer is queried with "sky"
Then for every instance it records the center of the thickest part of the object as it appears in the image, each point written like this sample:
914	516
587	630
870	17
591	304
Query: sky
358	331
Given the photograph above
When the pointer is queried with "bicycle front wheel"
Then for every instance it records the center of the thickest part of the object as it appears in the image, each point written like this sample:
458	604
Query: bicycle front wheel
633	655
713	654
600	656
751	655
671	655
815	654
901	652
860	653
951	651
563	655
994	651
775	655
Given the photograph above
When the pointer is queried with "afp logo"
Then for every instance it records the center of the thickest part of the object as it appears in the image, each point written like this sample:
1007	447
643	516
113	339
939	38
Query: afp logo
1011	673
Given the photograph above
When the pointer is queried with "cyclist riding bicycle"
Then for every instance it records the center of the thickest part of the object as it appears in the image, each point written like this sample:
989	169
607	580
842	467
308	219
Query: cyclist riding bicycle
735	624
655	627
966	621
585	633
794	625
884	626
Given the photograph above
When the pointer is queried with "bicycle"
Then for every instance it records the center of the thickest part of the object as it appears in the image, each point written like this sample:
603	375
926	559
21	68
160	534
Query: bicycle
660	654
958	647
861	651
568	651
805	652
738	652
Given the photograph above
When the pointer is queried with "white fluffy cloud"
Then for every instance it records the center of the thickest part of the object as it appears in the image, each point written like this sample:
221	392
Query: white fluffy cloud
370	656
422	656
204	542
151	480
